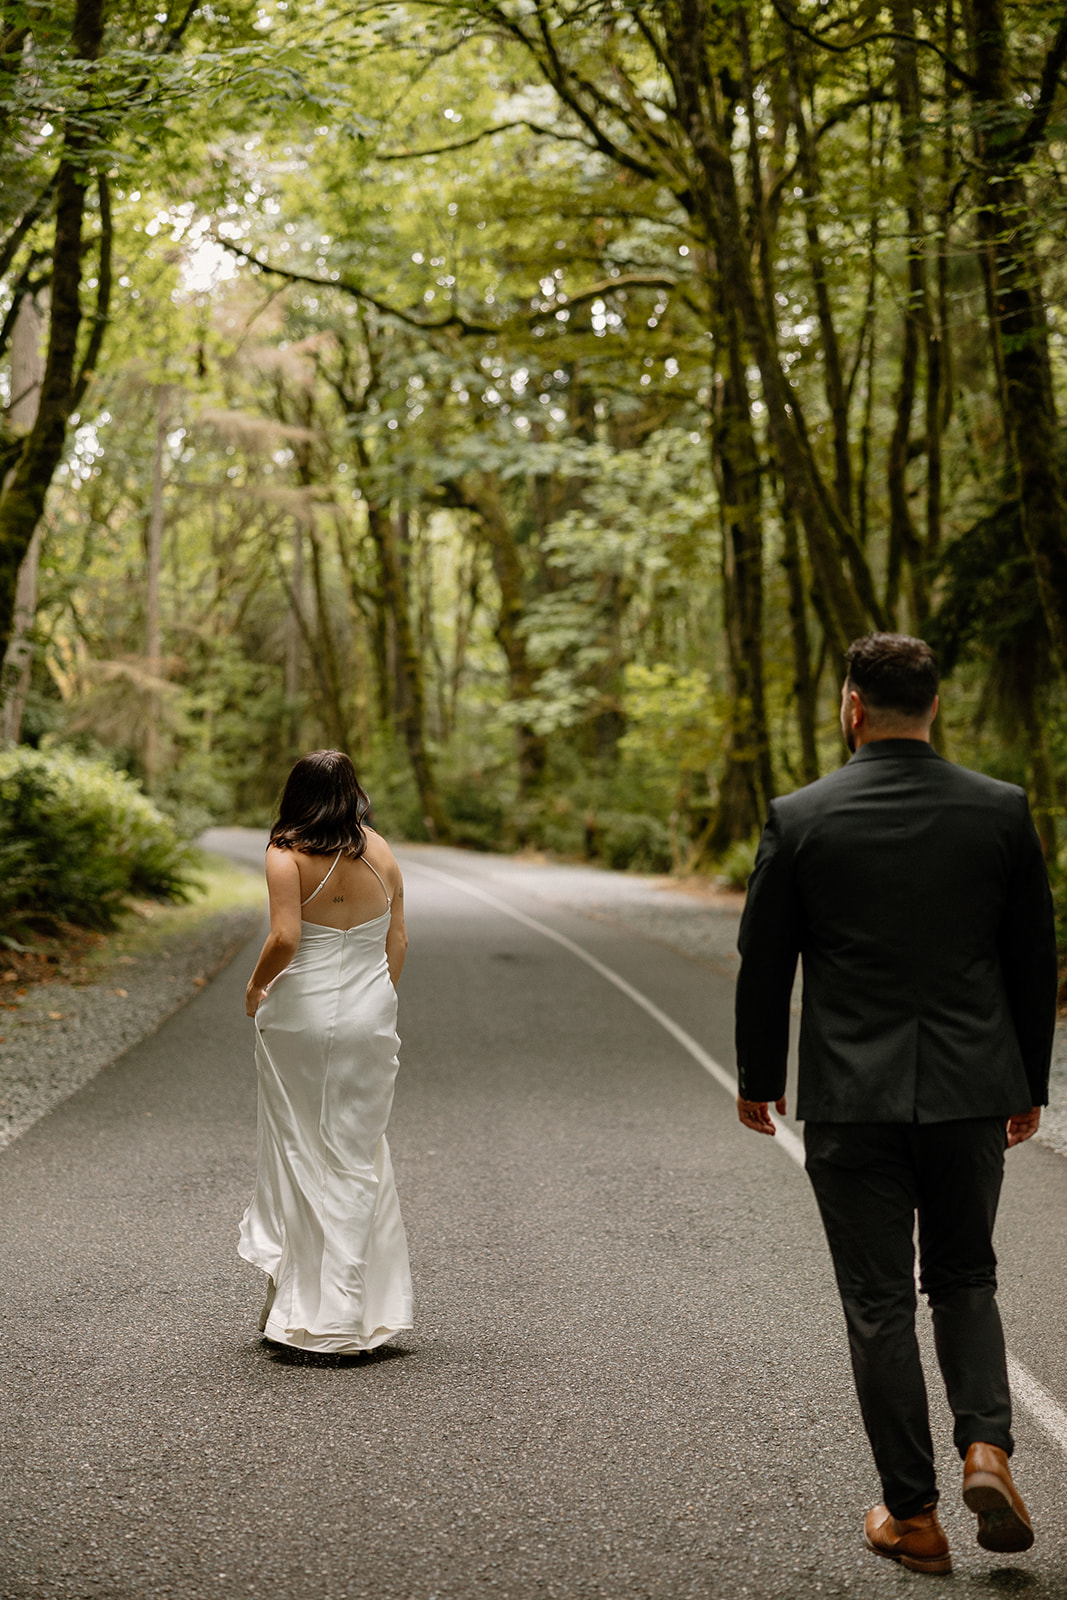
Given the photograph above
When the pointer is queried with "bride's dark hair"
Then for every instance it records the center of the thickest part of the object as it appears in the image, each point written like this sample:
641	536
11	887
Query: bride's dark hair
322	807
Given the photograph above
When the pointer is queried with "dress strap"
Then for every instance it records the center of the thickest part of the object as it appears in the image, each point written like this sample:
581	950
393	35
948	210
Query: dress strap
325	880
381	880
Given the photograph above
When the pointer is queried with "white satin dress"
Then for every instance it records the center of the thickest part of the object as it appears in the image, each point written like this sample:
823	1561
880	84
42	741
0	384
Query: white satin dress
324	1223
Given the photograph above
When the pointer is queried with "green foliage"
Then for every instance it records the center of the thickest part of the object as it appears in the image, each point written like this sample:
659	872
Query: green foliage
734	867
638	549
565	825
77	838
466	322
634	840
989	602
477	810
554	823
675	732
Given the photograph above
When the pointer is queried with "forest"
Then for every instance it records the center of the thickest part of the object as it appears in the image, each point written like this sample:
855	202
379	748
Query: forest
531	397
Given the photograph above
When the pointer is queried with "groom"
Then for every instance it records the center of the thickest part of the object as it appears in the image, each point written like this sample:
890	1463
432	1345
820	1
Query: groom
917	895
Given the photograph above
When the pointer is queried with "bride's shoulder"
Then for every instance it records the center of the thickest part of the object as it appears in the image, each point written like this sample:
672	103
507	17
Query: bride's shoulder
377	850
285	852
281	865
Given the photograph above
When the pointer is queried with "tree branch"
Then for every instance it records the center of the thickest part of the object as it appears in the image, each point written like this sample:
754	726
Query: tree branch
629	280
175	35
19	290
1022	148
632	280
31	215
453	320
841	113
567	86
486	133
103	298
883	36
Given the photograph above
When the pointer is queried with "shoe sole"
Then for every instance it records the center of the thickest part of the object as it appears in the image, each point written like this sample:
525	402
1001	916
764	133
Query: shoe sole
1000	1527
929	1564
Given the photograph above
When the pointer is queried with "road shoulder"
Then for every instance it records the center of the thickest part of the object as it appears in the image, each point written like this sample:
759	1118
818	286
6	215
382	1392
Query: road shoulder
56	1036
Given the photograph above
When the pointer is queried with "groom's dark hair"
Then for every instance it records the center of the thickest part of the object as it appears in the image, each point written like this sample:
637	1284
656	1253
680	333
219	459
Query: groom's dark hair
893	672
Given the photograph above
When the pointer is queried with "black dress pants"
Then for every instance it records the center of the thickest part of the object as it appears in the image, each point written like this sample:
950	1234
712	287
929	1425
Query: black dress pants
870	1181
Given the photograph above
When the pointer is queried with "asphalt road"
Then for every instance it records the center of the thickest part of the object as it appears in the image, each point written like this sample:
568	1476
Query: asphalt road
628	1375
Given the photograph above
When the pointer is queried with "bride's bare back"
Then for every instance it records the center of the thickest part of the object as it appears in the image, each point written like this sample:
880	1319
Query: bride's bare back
354	892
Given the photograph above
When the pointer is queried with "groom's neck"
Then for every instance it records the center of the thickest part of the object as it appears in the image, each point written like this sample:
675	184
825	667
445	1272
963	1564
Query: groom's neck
891	730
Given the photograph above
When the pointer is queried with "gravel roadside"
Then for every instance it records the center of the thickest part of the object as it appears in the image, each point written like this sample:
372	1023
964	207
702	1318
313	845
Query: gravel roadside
1053	1130
63	1034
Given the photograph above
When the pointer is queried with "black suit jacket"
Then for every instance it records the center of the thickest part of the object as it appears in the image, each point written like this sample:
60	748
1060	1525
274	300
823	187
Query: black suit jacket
917	896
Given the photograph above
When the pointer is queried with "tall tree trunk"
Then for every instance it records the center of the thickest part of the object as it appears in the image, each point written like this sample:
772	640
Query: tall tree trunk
746	784
483	498
467	598
27	372
1042	780
367	611
609	721
294	640
397	657
1018	324
310	636
330	673
939	348
904	541
839	564
696	159
867	342
153	644
837	395
322	641
409	670
22	502
805	681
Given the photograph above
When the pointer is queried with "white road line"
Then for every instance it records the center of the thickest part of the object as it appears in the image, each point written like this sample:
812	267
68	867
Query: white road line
789	1141
1045	1410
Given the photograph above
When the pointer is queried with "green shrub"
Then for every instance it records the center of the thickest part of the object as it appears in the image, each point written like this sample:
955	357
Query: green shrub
76	838
620	839
735	865
548	824
476	811
631	839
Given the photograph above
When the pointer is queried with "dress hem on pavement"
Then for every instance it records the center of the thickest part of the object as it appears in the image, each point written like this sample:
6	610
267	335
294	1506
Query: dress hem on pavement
335	1342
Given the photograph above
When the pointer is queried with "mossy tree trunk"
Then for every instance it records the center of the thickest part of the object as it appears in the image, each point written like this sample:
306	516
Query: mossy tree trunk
22	501
1018	321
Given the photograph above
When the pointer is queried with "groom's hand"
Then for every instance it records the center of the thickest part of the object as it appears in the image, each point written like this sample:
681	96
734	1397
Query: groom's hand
756	1115
1023	1126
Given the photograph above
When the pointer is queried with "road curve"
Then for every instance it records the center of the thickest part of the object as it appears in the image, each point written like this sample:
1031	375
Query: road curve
628	1375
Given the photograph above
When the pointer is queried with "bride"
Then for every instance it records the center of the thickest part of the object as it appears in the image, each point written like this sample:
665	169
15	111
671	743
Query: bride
324	1223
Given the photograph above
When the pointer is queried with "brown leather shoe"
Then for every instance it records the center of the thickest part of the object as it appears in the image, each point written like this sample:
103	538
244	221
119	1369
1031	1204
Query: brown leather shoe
917	1542
988	1490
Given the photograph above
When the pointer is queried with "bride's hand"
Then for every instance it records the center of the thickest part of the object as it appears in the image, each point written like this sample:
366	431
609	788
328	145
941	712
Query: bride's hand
253	1000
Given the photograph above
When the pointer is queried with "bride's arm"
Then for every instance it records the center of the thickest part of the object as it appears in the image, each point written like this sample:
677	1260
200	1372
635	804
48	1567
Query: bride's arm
283	940
396	940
